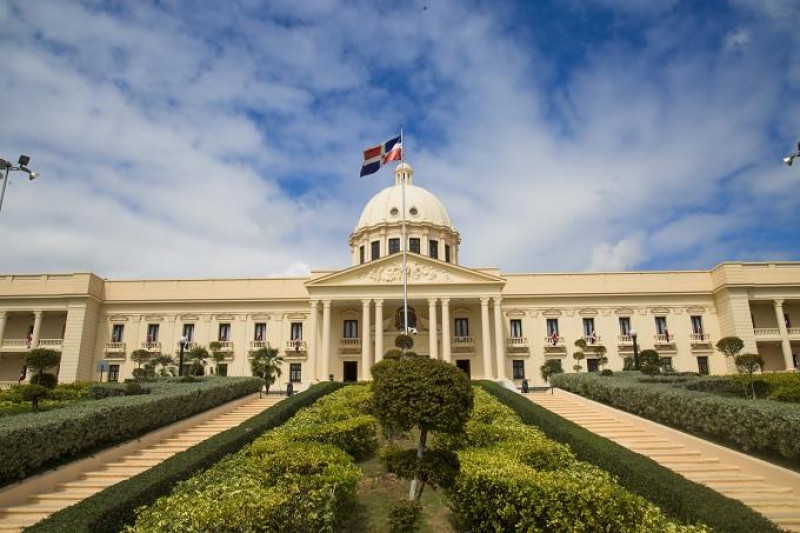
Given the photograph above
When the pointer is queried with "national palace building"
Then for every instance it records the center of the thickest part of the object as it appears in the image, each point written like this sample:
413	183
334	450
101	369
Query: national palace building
336	324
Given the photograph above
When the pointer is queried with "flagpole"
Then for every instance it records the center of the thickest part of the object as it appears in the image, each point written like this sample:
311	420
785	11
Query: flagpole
405	237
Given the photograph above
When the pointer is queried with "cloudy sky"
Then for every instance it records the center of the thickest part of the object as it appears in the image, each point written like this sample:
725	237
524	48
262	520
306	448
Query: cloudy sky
210	138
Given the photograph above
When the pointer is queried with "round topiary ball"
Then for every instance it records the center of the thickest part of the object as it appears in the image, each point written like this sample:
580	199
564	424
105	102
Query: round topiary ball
45	380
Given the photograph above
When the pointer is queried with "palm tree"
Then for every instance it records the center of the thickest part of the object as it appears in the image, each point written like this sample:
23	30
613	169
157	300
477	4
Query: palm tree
216	354
164	360
267	364
197	357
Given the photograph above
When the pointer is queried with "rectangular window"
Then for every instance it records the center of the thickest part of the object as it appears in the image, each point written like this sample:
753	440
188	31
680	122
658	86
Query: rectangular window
519	368
552	326
461	327
361	255
222	369
394	246
117	331
152	333
624	325
588	327
516	328
446	253
661	325
113	372
260	332
702	365
413	245
376	250
297	331
224	332
350	329
697	325
666	364
188	332
295	373
433	249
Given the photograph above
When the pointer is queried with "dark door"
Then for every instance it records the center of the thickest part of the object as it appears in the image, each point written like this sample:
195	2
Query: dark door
702	365
463	364
591	365
351	371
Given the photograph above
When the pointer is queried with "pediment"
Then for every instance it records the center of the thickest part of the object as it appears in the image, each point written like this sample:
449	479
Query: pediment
421	271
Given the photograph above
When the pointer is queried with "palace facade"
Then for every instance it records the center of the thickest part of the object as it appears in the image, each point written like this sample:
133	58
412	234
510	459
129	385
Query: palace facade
336	324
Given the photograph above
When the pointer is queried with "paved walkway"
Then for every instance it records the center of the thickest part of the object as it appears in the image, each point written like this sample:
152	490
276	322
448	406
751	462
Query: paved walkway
68	492
771	490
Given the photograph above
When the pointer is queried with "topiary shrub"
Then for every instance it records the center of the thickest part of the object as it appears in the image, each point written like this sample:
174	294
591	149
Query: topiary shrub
40	359
393	355
404	342
786	394
606	372
106	390
34	393
404	517
45	380
650	370
649	357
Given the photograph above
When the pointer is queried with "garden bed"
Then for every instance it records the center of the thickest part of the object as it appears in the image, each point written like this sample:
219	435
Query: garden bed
763	426
38	440
12	402
677	496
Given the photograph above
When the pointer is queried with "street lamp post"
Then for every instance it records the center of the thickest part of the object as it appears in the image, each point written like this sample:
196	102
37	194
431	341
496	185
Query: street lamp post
22	166
635	350
789	158
184	340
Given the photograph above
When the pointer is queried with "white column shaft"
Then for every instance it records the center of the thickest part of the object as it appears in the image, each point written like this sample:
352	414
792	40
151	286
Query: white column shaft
325	355
366	343
486	338
446	337
2	326
433	335
499	340
37	328
311	342
378	330
786	345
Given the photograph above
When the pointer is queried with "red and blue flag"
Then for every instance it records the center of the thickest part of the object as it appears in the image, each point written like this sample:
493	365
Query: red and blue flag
377	156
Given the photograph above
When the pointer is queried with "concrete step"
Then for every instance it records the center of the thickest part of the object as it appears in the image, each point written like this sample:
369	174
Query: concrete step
85	483
711	477
735	489
686	468
676	460
641	448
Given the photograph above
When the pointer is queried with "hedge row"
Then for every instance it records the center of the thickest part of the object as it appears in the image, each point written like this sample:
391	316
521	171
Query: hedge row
113	508
765	426
513	478
778	387
31	441
290	479
678	497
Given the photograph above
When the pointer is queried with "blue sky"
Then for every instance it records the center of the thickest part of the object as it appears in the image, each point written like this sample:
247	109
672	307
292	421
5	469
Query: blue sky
201	139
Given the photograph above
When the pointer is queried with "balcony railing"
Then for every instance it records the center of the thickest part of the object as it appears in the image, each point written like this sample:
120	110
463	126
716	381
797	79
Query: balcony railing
699	338
664	338
191	345
15	344
257	345
350	345
625	340
793	332
767	333
52	344
296	347
7	384
462	344
115	349
225	346
518	345
554	343
151	346
592	340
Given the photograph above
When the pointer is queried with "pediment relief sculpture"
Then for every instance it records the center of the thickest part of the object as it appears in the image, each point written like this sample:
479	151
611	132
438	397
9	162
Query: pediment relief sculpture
417	273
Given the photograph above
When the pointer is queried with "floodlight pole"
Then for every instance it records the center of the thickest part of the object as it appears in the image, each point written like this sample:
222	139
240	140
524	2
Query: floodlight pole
9	168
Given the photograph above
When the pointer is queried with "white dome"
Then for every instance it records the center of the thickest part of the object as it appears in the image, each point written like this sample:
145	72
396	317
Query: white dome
421	205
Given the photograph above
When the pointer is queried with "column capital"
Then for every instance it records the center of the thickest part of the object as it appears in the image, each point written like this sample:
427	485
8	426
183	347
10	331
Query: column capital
445	301
378	303
778	302
326	304
3	314
313	303
485	300
38	314
497	299
365	302
432	301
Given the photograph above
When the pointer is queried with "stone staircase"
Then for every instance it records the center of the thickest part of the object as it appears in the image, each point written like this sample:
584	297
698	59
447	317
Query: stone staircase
40	506
770	490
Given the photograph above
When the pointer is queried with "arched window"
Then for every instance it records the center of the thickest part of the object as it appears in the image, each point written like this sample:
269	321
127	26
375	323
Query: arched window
398	318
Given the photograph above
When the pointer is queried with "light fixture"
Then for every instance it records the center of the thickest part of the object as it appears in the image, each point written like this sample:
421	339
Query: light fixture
22	166
789	158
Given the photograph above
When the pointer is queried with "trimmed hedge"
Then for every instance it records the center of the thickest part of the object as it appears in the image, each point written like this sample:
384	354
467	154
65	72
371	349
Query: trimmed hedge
675	495
779	387
765	426
284	481
32	441
113	508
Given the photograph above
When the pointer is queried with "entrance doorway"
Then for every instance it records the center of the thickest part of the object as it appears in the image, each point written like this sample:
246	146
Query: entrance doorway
350	371
591	365
463	364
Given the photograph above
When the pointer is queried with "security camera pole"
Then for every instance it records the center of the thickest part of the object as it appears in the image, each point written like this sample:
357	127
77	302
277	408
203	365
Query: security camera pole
21	167
788	159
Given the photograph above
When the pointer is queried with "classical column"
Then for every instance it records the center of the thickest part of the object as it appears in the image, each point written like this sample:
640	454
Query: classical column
311	343
366	343
786	346
325	355
486	338
37	328
499	339
432	335
378	330
446	338
2	326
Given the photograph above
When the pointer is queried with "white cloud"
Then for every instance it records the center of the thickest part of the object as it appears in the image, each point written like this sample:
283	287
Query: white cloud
618	256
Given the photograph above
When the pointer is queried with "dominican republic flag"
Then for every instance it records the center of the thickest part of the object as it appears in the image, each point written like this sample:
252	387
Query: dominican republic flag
377	156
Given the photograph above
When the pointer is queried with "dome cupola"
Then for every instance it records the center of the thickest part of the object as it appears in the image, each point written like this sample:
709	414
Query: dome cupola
429	228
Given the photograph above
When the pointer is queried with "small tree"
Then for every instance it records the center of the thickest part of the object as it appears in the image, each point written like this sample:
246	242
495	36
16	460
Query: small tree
140	357
578	356
730	346
430	395
601	351
40	359
197	360
404	342
267	363
34	393
650	362
550	367
748	363
216	354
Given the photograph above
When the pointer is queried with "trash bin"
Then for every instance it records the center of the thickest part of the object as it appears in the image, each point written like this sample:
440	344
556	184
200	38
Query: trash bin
525	386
